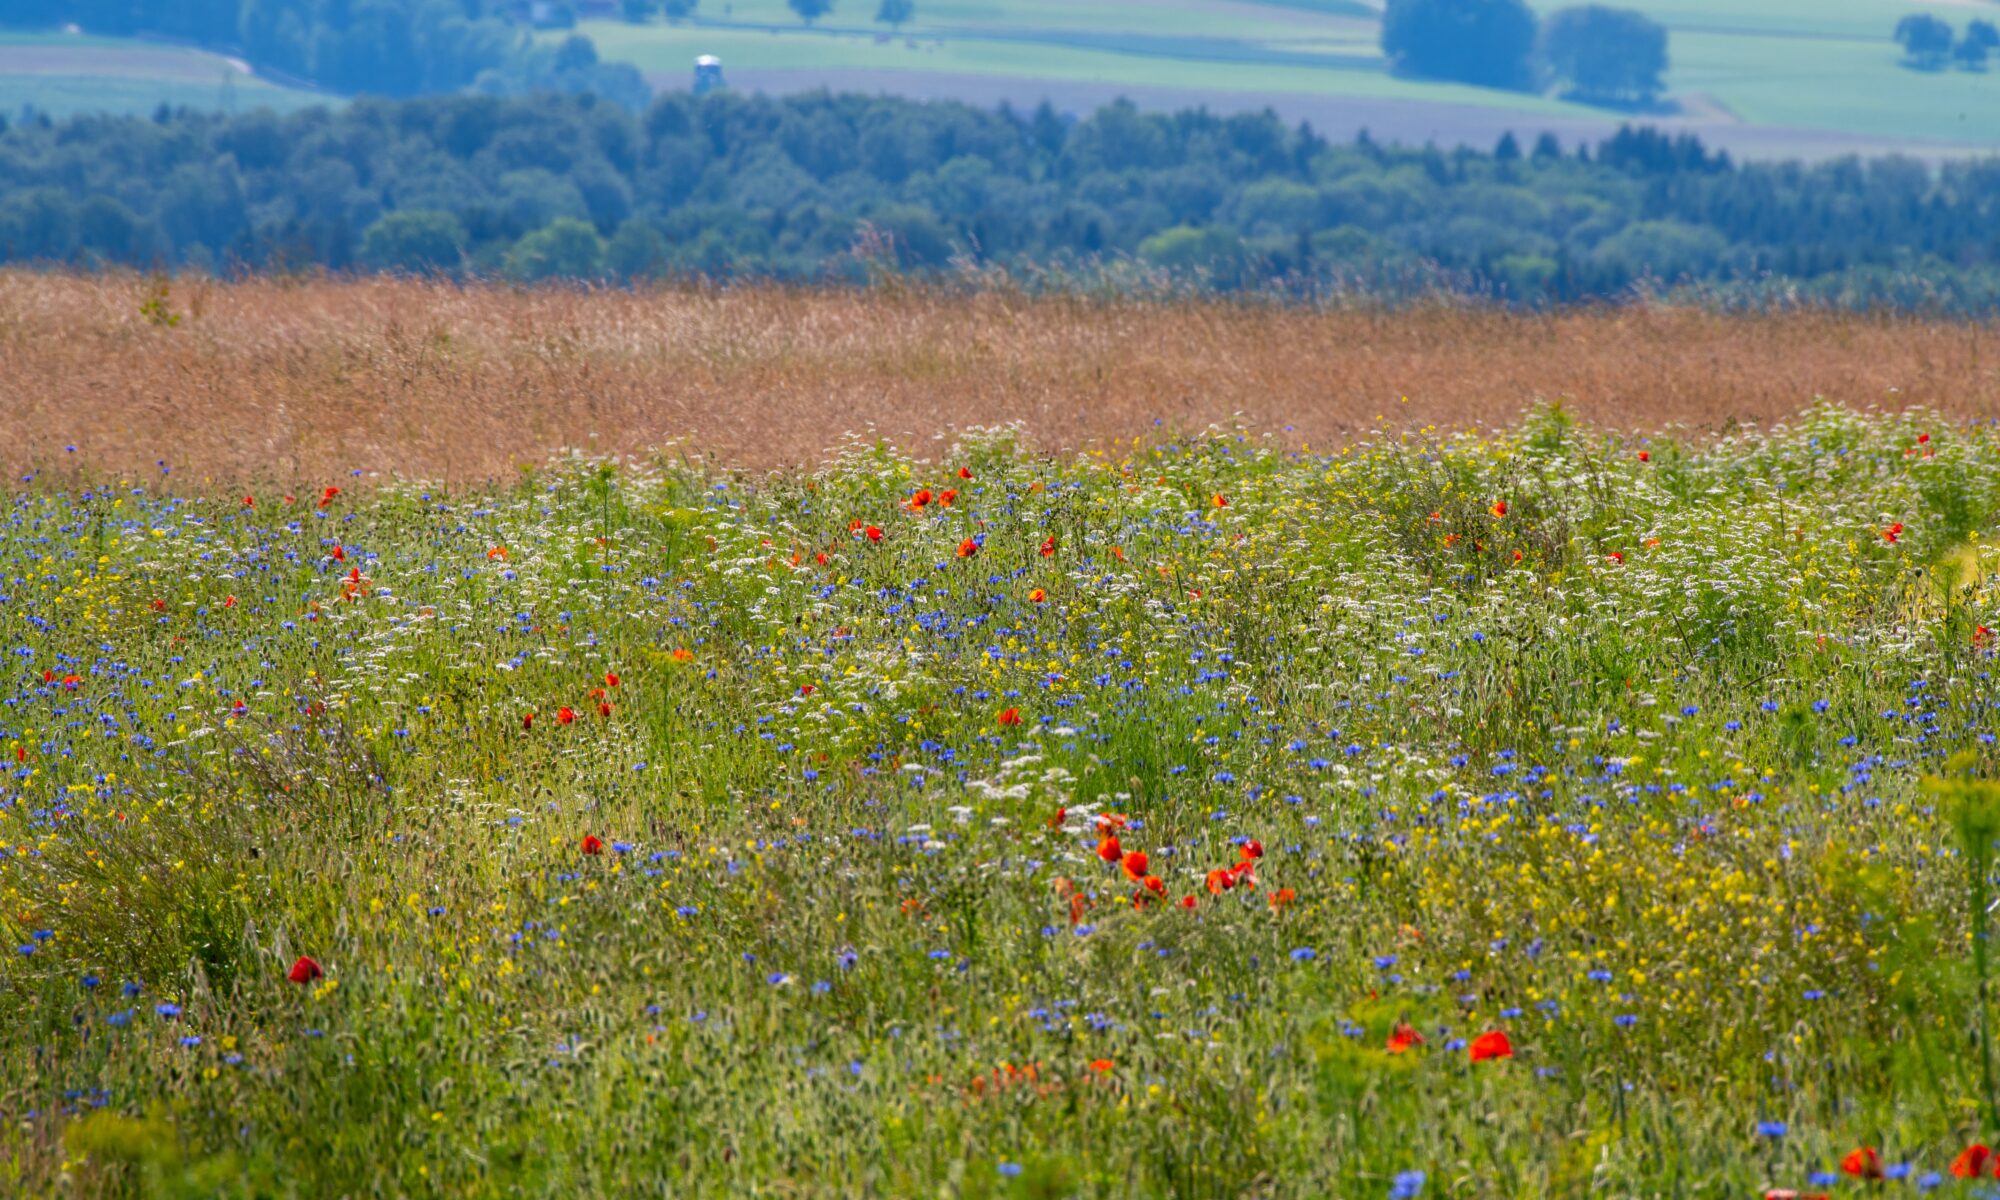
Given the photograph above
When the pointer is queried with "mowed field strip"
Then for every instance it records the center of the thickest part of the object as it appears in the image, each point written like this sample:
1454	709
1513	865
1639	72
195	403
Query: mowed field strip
272	379
1766	78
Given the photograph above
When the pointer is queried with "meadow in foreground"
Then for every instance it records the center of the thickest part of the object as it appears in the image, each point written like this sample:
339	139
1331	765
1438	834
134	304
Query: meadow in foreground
1548	813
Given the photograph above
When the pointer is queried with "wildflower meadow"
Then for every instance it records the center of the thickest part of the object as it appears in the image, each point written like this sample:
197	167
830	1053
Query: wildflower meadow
1553	811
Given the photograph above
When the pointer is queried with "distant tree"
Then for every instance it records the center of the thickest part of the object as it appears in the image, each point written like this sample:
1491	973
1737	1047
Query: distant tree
422	241
1926	40
1485	42
1606	53
811	10
894	12
565	248
1547	148
1970	55
638	12
678	10
1984	34
1508	149
637	251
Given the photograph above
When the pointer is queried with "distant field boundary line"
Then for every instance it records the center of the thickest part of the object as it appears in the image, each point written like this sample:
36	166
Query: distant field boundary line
1229	50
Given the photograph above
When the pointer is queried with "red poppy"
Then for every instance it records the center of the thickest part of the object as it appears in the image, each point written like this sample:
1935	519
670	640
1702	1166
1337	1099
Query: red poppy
249	501
1280	898
1055	822
1103	1065
1135	863
527	720
603	710
229	602
1981	636
1645	456
1220	881
591	844
1187	902
1862	1163
1037	596
304	971
1975	1162
1402	1037
1011	716
965	472
873	533
1493	1044
611	679
968	548
947	496
1893	534
326	497
340	554
1923	439
1499	508
1108	848
1251	849
921	498
1616	556
565	715
1155	885
496	554
1220	501
1049	546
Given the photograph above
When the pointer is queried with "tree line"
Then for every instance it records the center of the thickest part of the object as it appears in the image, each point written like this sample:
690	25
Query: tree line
1596	53
825	187
379	47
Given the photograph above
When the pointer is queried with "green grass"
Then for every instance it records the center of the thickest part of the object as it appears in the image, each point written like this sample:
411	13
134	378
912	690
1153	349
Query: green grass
669	52
60	74
1633	770
1820	68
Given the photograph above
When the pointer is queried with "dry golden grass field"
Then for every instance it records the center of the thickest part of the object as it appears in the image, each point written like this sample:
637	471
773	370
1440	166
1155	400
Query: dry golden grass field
282	380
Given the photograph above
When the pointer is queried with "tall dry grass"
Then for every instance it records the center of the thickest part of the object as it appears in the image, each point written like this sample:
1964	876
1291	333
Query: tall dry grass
287	380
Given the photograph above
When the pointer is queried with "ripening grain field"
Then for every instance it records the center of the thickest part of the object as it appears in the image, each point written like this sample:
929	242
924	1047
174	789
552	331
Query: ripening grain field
1547	812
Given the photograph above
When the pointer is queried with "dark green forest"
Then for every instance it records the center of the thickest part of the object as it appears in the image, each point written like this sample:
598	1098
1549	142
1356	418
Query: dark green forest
833	187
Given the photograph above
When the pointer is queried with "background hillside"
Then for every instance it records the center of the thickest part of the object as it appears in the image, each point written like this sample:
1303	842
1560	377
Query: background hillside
1762	78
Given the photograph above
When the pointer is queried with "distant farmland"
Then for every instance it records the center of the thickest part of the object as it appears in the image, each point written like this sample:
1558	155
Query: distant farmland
1765	78
62	74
